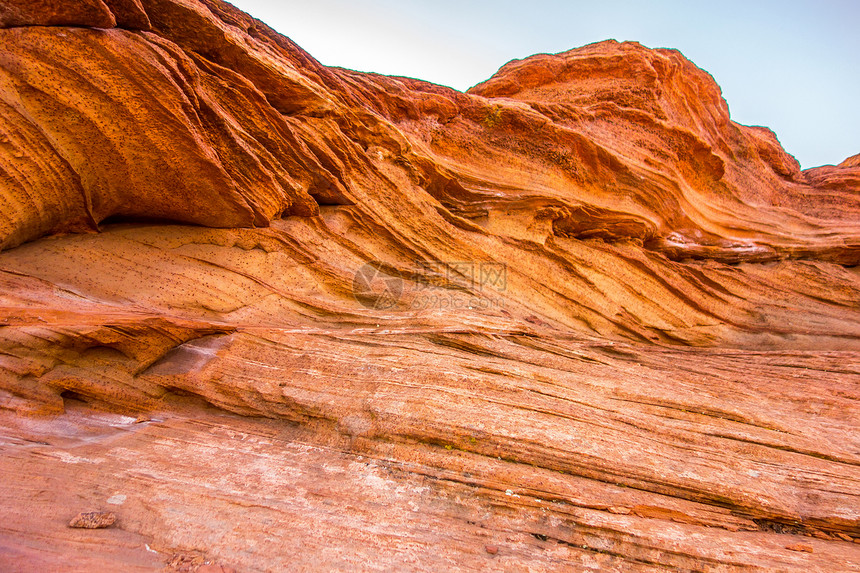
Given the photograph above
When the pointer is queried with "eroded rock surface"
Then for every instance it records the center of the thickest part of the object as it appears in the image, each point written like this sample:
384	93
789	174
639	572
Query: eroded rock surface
280	316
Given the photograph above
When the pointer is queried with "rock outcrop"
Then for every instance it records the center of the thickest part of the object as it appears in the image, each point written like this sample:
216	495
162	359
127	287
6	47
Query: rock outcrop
274	315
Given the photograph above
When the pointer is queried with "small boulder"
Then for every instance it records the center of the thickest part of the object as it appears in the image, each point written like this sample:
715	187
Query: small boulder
93	520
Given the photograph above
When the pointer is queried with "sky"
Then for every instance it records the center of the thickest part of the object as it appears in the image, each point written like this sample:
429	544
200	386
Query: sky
791	65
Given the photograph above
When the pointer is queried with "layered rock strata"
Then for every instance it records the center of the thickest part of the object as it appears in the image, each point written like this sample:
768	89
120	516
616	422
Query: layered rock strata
274	315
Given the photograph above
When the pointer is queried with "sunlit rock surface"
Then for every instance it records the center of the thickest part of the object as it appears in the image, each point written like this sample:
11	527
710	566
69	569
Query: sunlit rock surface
277	316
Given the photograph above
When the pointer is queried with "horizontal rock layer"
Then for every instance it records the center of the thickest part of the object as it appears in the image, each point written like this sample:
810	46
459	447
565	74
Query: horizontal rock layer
575	317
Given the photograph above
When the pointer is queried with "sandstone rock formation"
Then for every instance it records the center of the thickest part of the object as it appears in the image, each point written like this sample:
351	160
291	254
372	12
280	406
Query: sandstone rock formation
280	316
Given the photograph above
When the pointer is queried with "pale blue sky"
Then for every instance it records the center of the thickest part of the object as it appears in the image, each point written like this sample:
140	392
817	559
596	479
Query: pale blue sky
791	65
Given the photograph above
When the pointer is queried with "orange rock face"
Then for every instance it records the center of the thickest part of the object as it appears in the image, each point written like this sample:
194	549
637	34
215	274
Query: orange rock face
278	316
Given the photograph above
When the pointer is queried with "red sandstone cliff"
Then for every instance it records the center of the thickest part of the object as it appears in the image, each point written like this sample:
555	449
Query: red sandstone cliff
277	315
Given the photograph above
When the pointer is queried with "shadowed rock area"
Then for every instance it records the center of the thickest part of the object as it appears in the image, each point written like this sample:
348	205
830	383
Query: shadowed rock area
278	316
